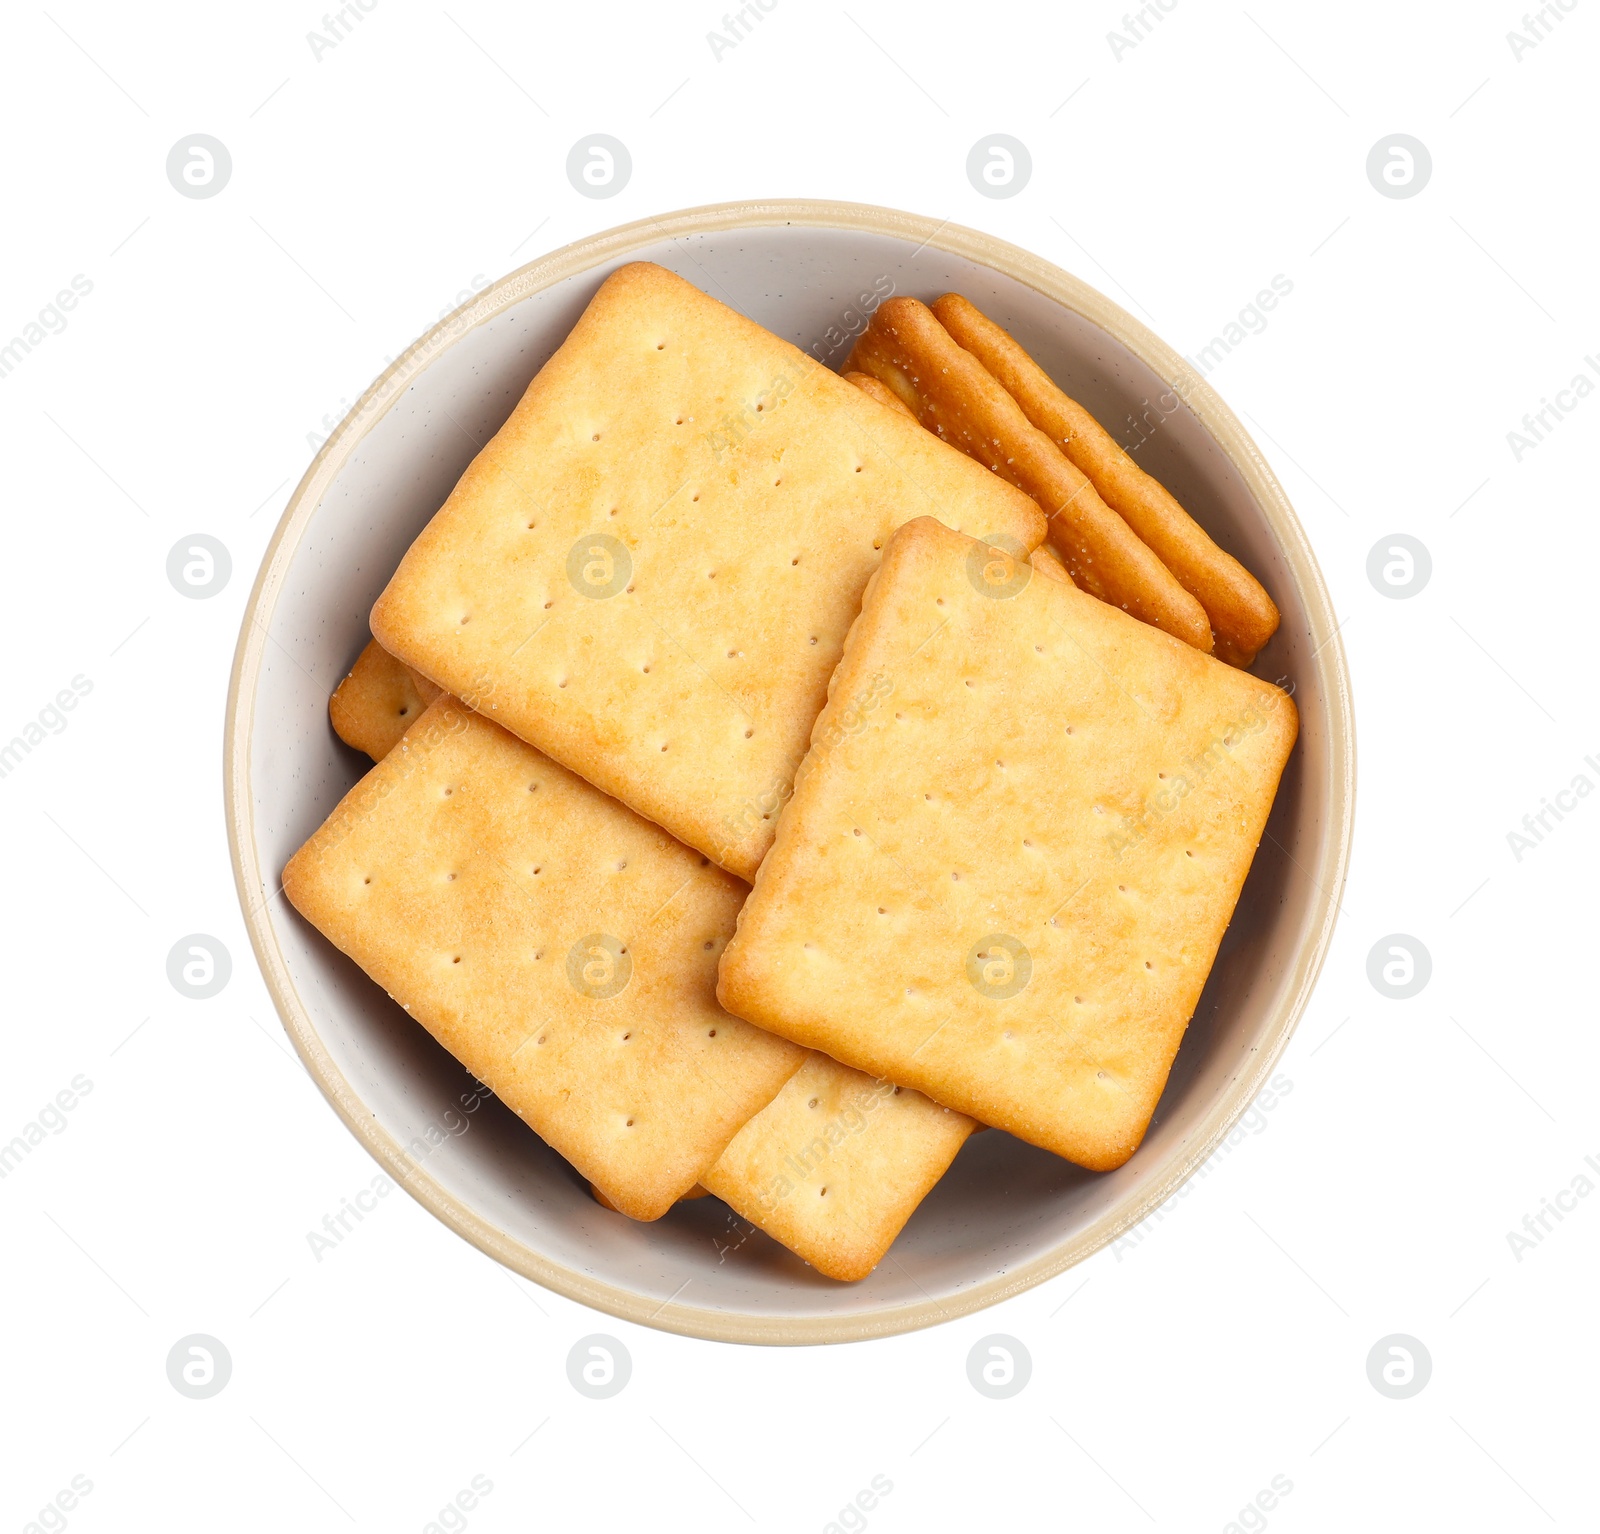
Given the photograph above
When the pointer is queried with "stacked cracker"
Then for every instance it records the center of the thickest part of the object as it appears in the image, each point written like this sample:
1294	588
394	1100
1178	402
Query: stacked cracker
614	1049
1121	534
697	580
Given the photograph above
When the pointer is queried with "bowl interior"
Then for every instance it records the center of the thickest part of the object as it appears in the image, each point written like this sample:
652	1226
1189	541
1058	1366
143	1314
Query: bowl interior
1006	1213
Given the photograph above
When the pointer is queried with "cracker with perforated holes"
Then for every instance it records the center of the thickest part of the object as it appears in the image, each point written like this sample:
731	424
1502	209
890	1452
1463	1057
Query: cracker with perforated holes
561	947
649	571
371	709
1006	884
839	1212
378	701
836	1164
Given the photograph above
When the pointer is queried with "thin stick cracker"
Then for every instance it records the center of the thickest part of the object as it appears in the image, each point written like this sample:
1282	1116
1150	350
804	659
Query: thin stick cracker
954	395
1243	617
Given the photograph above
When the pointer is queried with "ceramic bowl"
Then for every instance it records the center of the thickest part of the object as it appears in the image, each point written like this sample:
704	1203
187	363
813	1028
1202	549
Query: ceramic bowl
1007	1215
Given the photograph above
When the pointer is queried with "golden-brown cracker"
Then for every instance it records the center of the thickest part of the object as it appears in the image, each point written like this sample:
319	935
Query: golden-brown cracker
363	715
649	572
1005	886
378	702
862	1219
1243	617
558	945
884	395
888	1160
835	1164
954	395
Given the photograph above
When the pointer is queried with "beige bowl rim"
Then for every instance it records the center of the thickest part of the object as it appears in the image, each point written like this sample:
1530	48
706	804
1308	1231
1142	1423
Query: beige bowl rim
573	260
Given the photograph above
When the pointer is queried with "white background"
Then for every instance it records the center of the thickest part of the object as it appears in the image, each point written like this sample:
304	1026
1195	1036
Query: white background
425	154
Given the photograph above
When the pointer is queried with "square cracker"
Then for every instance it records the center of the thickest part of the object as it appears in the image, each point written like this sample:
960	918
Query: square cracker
558	945
371	709
850	1208
1005	885
649	572
378	702
836	1163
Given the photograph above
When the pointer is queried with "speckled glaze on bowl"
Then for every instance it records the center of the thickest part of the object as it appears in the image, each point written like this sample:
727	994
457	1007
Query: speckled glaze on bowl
1006	1216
